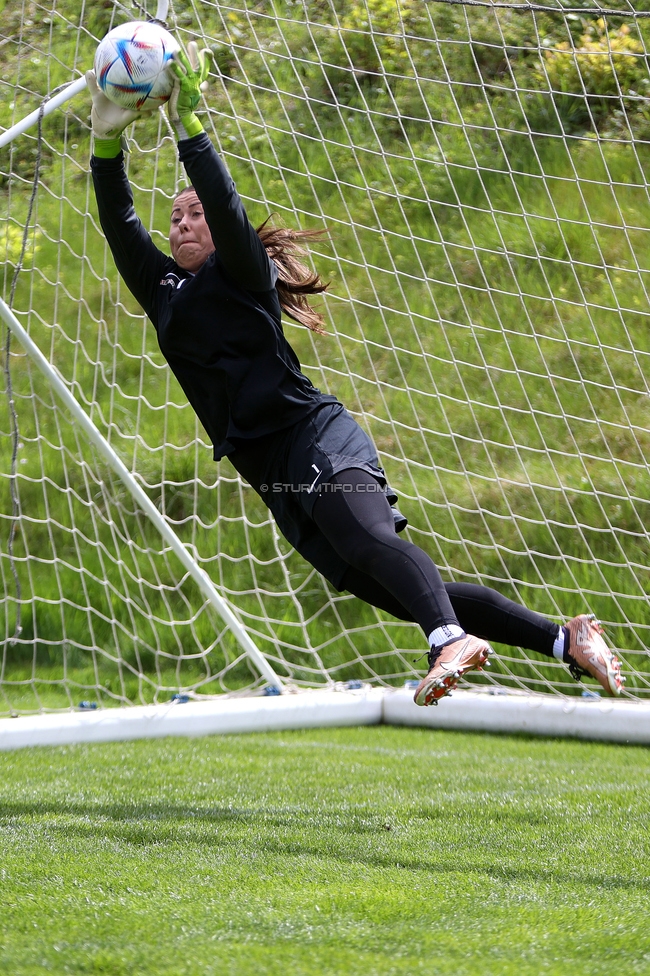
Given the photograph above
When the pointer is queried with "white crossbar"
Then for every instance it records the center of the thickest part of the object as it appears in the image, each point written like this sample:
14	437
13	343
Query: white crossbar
53	103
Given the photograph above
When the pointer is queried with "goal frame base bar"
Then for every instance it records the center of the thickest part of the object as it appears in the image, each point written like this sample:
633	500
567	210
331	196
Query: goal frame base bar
474	711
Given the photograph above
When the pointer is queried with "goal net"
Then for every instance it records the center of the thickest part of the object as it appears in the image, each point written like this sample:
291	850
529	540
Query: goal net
482	172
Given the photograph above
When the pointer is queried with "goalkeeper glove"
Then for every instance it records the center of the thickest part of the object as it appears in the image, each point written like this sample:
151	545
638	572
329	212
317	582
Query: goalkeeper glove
191	72
108	121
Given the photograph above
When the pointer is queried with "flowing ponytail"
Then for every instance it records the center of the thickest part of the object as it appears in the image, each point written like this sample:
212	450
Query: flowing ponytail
295	280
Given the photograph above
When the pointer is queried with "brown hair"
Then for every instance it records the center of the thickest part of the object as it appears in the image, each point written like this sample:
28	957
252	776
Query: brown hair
295	280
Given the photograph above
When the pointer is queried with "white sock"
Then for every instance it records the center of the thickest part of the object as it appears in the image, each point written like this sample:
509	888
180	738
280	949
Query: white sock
558	646
445	635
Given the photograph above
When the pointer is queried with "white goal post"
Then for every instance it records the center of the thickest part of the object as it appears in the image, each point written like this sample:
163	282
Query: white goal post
143	501
481	170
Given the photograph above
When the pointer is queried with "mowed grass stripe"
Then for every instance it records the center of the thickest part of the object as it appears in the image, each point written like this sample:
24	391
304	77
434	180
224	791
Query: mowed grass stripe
351	851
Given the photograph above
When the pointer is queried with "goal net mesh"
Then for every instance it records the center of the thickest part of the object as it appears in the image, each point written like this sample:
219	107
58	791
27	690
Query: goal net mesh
482	174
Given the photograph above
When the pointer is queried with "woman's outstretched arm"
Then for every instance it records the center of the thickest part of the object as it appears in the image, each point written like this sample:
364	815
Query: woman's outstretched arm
237	244
138	260
140	263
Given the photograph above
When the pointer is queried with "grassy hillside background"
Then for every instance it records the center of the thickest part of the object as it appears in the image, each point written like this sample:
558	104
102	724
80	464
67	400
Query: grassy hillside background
483	176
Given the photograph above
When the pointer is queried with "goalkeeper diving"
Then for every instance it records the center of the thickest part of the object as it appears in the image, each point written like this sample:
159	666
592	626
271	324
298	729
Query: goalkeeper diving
216	304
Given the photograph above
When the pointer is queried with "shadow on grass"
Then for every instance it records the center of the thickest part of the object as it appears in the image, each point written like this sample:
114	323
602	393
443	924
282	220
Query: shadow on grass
150	824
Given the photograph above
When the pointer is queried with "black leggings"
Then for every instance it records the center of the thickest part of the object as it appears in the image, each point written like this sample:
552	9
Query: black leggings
395	575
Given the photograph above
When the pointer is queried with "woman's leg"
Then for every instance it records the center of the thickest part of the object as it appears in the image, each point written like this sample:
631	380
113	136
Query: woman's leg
353	514
488	614
480	610
370	591
397	576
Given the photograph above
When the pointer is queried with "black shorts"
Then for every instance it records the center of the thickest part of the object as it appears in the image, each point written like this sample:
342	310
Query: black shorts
290	468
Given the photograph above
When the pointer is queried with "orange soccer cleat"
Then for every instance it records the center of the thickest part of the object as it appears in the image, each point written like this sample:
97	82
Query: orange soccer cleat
449	663
588	654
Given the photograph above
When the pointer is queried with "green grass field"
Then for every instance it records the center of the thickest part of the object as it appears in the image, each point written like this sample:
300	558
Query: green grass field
488	318
351	851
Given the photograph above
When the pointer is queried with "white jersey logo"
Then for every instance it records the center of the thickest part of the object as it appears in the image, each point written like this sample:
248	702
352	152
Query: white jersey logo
174	280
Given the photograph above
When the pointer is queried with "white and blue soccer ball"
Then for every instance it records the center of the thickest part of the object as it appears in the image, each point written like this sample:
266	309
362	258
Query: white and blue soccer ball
132	65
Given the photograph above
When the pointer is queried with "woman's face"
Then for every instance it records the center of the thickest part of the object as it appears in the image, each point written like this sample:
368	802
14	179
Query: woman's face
189	235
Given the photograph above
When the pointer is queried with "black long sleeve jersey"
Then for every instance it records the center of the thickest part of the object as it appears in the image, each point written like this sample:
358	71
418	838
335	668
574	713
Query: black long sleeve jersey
220	329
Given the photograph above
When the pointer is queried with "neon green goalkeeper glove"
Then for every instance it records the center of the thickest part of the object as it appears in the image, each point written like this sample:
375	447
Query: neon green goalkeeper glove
108	121
191	72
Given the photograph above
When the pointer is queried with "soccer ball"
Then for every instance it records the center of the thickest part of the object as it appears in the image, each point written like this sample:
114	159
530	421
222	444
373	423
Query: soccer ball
132	65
